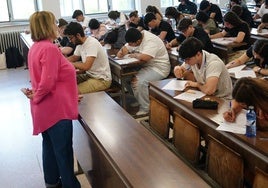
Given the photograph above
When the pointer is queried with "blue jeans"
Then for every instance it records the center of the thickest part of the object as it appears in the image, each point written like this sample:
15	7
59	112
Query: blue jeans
140	86
58	161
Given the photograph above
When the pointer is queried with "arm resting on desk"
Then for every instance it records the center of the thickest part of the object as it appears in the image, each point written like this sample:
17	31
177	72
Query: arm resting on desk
218	35
208	88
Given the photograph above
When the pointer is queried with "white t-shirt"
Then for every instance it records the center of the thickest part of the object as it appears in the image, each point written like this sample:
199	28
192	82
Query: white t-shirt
212	65
85	22
153	46
100	68
262	10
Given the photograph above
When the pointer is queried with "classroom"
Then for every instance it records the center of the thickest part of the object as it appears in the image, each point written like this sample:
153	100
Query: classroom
132	93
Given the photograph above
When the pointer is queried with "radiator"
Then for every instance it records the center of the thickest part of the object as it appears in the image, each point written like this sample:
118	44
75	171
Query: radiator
10	39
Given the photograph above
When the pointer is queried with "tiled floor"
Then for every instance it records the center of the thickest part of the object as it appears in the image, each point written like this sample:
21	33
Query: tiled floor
20	152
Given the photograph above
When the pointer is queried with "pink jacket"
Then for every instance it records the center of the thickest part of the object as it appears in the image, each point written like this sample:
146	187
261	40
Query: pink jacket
53	81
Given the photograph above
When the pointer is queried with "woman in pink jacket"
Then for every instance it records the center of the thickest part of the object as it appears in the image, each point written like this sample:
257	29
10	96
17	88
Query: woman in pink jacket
54	101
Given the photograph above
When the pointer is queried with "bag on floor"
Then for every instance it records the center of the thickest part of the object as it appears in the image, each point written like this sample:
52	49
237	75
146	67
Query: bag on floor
14	58
3	64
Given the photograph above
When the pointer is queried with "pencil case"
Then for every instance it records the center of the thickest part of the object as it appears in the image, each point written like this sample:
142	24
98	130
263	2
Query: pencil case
205	104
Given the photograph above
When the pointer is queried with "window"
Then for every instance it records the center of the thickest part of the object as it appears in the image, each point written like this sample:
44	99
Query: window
123	5
68	6
168	3
92	7
3	11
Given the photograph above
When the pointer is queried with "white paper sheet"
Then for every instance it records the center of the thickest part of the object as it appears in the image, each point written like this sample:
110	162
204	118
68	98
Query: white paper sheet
239	126
174	51
245	73
190	95
125	60
236	69
223	40
178	85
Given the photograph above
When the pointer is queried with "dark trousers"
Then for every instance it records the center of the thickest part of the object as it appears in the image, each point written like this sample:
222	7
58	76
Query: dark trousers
58	161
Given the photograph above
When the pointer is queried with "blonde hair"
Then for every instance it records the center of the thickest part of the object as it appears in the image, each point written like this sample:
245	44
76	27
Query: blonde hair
43	26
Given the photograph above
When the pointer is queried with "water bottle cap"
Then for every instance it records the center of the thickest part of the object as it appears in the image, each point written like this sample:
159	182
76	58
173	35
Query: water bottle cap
251	107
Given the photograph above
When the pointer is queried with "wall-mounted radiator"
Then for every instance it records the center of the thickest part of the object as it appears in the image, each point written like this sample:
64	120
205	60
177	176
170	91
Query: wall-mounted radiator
10	39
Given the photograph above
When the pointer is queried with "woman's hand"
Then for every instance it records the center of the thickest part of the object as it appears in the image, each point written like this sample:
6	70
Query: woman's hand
229	115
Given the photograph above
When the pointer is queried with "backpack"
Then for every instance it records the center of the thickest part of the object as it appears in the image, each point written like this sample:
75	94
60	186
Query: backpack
14	58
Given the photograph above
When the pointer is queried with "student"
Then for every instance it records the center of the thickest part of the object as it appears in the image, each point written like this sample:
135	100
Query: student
97	29
244	14
155	10
160	28
187	7
115	38
117	19
94	69
207	23
136	21
264	23
258	51
173	13
150	49
210	74
66	47
53	101
263	10
80	18
212	10
188	30
250	92
234	27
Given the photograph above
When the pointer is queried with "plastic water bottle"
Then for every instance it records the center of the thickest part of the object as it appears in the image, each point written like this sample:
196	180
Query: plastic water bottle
251	122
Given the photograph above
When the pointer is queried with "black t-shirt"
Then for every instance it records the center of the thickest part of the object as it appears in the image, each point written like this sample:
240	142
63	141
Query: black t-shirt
249	53
215	9
164	26
247	17
140	24
233	32
200	34
187	8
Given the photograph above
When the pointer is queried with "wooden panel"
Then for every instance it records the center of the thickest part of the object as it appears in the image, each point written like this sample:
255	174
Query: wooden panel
186	138
159	117
224	165
261	179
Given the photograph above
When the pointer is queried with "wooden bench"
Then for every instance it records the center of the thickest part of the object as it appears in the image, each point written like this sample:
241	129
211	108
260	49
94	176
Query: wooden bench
114	150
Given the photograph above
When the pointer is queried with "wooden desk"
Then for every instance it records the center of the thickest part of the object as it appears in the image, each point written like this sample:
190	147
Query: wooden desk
114	150
224	49
26	42
122	73
253	150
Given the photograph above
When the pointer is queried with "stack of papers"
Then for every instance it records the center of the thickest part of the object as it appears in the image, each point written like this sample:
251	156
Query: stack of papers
178	85
126	60
236	69
190	95
245	73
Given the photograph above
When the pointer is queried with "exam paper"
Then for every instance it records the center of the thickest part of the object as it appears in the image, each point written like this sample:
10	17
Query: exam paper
126	60
245	73
190	95
178	85
236	69
239	126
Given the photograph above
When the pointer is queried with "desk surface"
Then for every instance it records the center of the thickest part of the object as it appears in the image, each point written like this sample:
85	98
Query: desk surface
138	155
253	150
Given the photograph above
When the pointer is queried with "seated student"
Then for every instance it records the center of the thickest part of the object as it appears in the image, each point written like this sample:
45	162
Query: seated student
188	30
173	13
263	10
212	10
79	16
187	7
258	51
250	92
264	23
207	23
117	19
210	74
160	28
67	48
155	10
115	38
234	27
94	69
244	14
97	29
150	49
136	21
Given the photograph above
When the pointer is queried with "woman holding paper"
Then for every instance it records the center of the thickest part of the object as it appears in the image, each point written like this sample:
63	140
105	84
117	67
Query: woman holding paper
258	51
250	92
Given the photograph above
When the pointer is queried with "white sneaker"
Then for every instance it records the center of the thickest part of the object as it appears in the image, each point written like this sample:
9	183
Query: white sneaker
141	112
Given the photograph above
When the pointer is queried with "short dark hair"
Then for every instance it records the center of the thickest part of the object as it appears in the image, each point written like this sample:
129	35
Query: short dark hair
73	28
204	4
237	9
133	35
184	24
133	14
172	12
77	13
264	18
93	23
114	14
261	47
149	17
202	16
62	22
189	47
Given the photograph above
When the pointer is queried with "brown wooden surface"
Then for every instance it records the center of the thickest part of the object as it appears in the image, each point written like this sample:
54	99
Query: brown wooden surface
133	156
253	150
260	179
224	165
